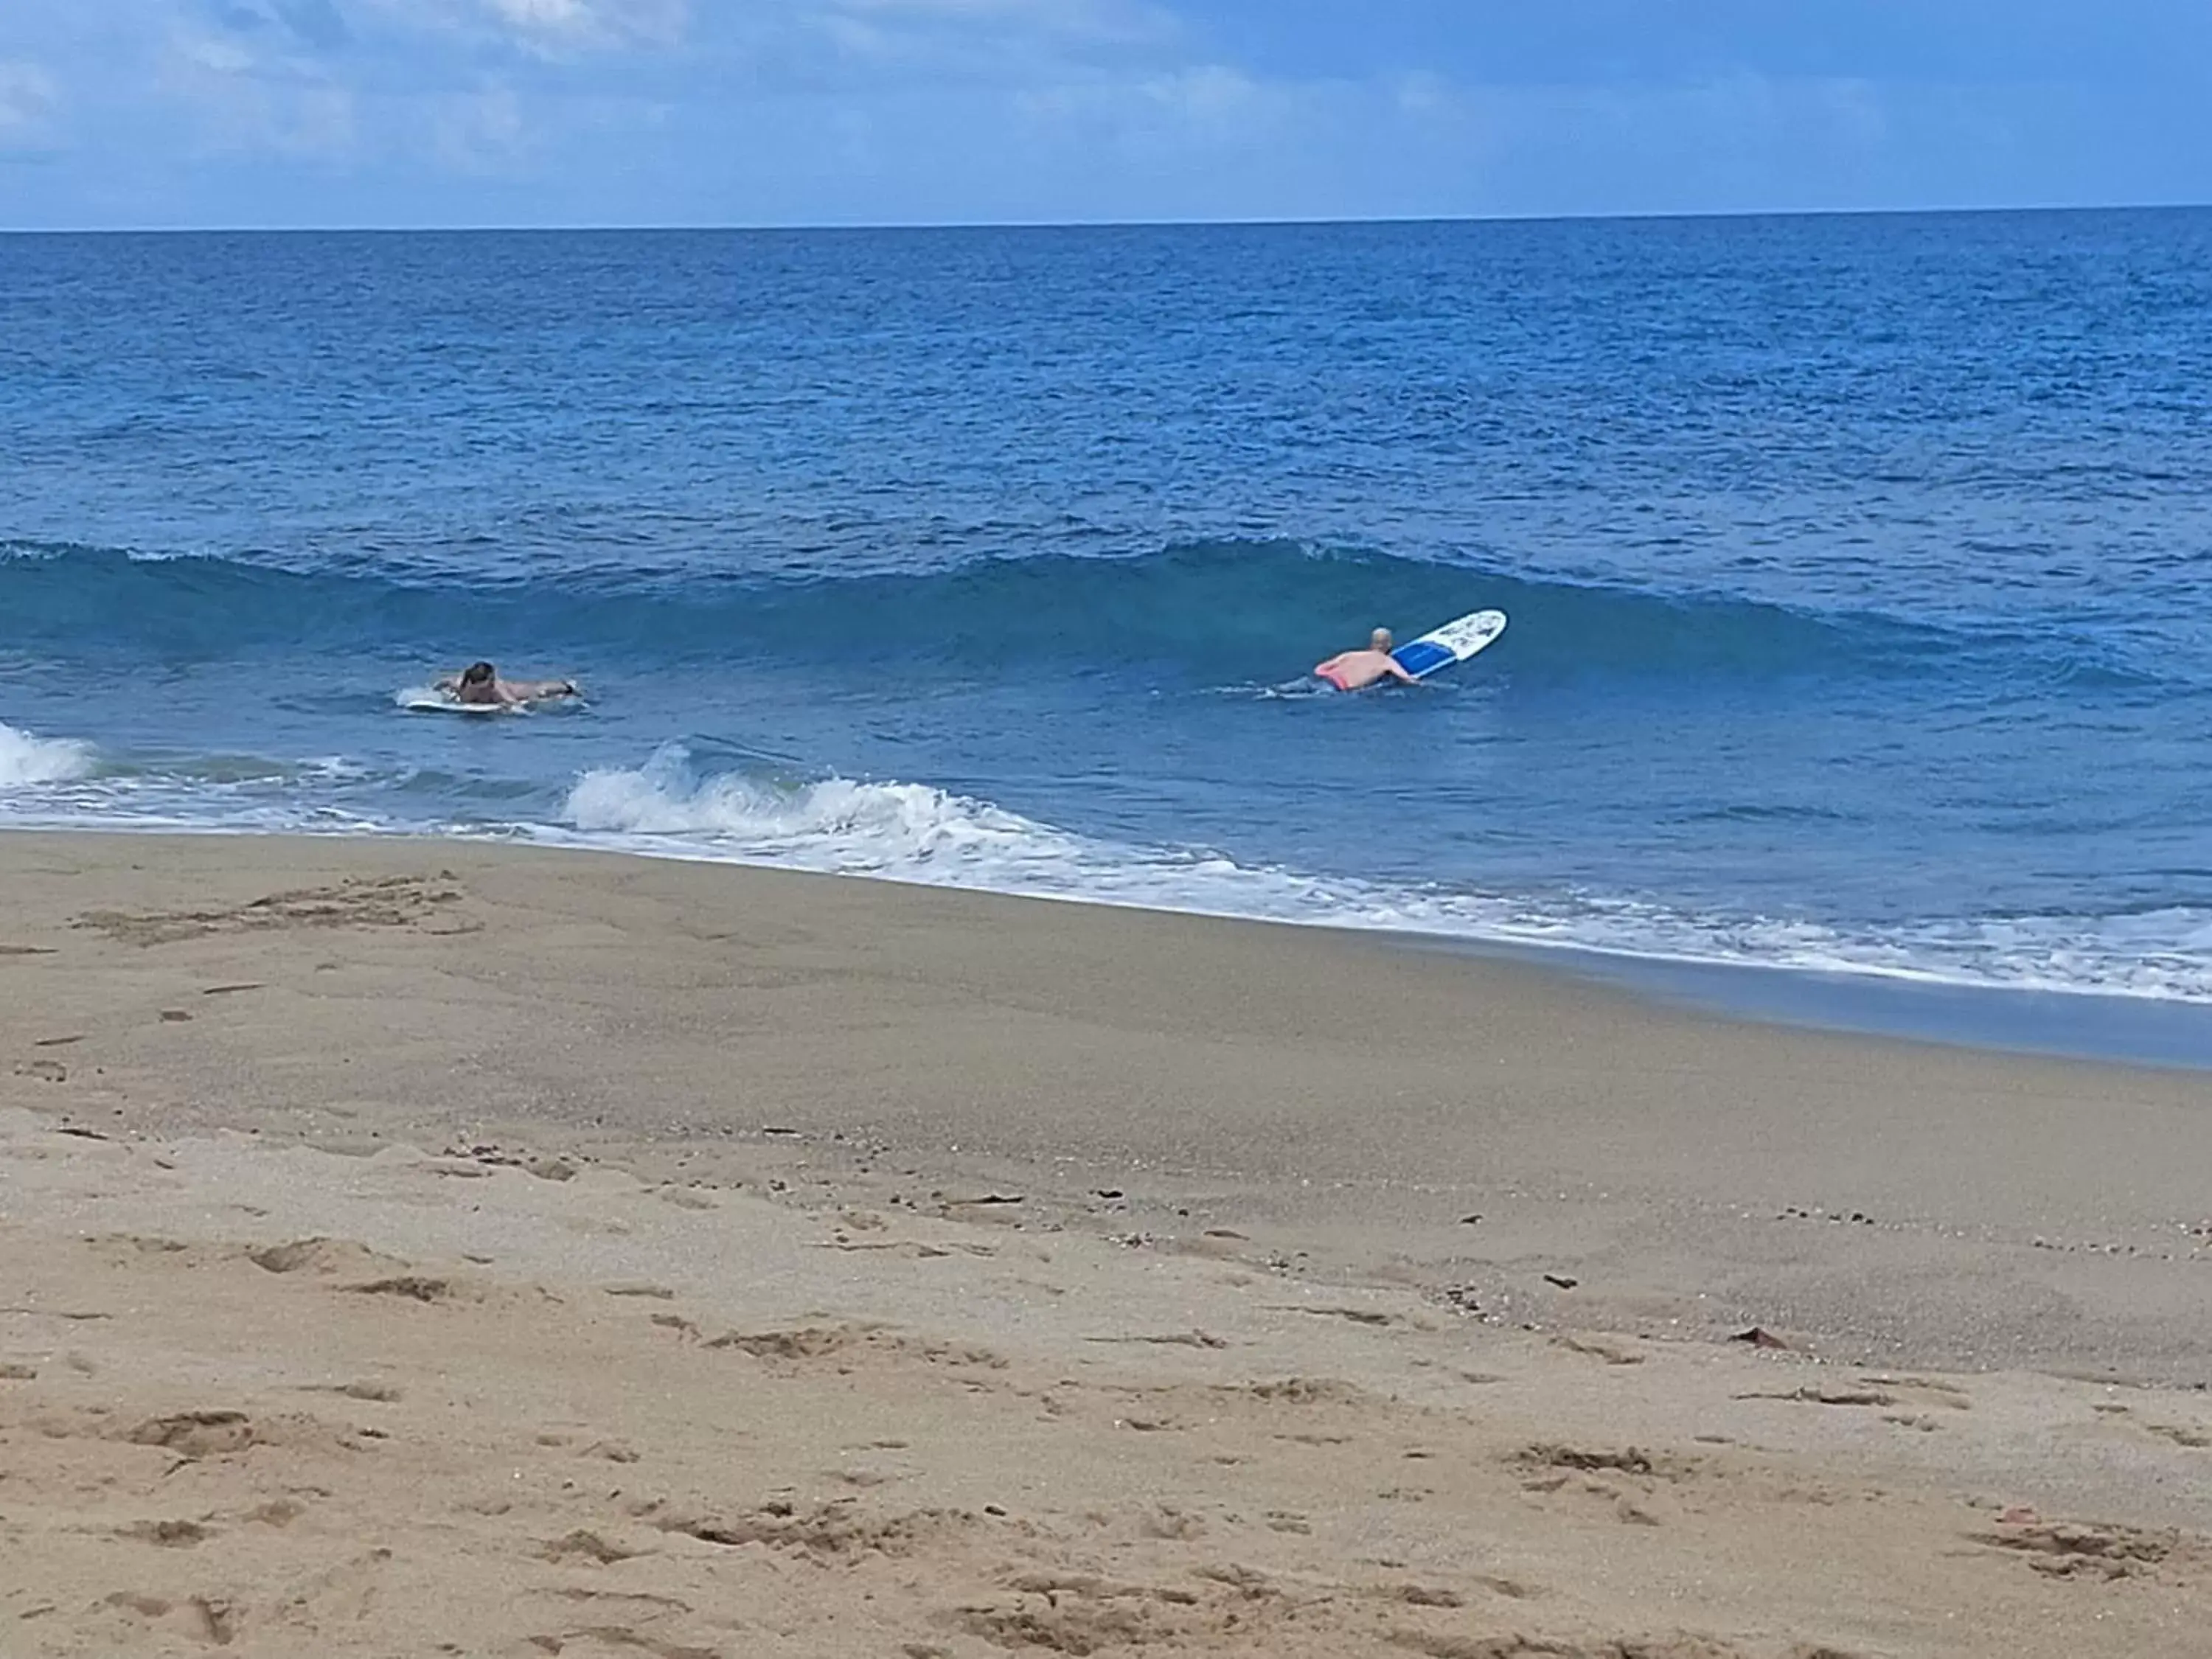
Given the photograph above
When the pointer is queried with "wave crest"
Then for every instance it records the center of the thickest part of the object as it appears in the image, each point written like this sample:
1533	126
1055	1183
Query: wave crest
25	759
1209	611
835	823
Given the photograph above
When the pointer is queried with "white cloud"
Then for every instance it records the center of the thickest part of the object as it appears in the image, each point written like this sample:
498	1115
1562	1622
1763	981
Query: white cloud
316	23
250	94
593	23
322	121
216	57
955	41
545	28
1121	21
1210	95
483	132
28	98
1423	94
717	111
1206	104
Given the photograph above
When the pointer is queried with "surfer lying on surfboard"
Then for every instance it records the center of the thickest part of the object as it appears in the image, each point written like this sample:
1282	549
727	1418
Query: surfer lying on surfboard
480	685
1355	670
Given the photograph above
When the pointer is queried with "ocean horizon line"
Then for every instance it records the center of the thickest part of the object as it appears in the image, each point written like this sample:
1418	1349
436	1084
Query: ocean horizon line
1261	222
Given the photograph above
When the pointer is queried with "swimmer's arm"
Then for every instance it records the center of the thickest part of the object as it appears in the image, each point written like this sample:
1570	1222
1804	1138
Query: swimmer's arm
1396	671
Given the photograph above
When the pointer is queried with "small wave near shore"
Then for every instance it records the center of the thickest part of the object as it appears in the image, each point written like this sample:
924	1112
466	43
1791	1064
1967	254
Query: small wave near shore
670	807
27	759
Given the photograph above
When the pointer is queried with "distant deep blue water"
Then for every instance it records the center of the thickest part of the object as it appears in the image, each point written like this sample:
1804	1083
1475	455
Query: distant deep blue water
1859	569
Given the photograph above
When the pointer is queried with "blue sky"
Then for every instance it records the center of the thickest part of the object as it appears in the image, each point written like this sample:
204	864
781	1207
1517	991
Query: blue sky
252	112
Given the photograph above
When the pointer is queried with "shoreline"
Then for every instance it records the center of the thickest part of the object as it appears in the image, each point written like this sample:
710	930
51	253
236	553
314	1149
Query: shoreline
2108	1027
2105	1026
421	1245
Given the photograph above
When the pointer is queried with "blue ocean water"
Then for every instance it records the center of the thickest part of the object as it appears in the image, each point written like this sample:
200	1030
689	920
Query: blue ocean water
1859	569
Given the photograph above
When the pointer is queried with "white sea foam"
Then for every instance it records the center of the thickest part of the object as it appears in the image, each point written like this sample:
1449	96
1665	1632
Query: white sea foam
906	830
910	832
25	759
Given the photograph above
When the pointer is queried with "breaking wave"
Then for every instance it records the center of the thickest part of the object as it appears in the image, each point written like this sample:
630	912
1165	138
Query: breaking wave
26	759
912	832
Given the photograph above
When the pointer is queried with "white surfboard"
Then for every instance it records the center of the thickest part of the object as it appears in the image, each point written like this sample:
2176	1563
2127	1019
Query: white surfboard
449	705
1455	642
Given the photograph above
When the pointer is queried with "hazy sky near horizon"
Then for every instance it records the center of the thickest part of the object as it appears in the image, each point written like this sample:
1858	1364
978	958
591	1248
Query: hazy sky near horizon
296	112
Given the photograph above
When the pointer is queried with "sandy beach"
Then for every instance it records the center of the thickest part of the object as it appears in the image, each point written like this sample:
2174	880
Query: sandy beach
413	1247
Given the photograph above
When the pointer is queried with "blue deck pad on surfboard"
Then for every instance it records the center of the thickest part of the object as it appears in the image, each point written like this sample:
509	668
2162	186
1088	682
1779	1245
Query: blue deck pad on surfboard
1455	642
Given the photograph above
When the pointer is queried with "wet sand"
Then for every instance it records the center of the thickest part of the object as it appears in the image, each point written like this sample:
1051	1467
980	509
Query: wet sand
999	1275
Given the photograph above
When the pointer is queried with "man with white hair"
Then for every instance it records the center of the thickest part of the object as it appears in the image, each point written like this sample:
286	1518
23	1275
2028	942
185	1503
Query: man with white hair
1355	670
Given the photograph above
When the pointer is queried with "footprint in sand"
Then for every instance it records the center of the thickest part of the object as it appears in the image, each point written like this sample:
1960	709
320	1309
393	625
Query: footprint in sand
380	1394
2097	1551
1628	1477
408	1287
586	1546
206	1619
194	1435
322	1257
1612	1353
167	1534
803	1343
2181	1435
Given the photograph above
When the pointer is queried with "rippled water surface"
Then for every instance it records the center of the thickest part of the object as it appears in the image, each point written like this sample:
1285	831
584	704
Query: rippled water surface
1857	568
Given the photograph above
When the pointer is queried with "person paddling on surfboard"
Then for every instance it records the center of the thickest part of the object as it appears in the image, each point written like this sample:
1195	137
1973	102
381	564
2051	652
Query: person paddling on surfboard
480	685
1355	670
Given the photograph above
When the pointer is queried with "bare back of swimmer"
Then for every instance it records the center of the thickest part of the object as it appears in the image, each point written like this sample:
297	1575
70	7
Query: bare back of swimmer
1355	670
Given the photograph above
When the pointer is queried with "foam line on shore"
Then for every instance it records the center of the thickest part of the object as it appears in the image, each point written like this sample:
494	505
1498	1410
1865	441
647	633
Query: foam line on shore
913	832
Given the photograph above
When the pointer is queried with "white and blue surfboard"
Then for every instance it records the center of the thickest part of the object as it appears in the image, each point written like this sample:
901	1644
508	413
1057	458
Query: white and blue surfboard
441	704
1455	642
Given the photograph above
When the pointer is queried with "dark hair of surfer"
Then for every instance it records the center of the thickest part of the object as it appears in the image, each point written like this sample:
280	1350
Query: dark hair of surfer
476	673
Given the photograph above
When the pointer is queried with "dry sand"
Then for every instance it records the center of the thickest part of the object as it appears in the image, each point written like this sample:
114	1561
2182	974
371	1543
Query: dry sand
411	1248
